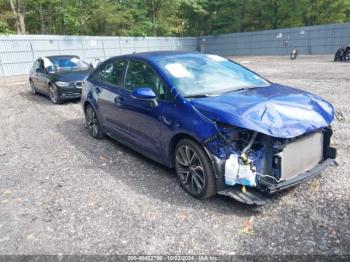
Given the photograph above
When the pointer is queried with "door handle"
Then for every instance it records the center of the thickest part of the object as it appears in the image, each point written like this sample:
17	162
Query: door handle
97	90
118	99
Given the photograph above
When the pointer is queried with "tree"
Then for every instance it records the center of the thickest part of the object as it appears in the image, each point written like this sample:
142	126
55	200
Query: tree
165	17
18	8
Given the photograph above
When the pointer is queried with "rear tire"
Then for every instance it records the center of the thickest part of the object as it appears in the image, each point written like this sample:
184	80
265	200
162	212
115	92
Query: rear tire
194	169
92	123
54	95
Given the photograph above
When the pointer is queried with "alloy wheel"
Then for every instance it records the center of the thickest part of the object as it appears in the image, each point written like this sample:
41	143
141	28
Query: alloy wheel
53	94
92	122
347	56
32	87
190	169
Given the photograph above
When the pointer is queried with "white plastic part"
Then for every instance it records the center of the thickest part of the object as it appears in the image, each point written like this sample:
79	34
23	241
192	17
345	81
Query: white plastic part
236	173
231	170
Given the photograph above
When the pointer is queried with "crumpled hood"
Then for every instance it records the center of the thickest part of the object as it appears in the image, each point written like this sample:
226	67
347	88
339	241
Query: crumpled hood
276	110
72	75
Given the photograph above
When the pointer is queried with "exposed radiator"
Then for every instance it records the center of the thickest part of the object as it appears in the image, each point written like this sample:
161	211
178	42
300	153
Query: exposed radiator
301	155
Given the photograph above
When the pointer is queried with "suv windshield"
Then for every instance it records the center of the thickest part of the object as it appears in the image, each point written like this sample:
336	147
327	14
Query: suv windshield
68	63
201	75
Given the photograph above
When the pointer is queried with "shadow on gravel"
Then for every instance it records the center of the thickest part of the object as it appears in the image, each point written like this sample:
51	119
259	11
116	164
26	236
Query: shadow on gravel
140	173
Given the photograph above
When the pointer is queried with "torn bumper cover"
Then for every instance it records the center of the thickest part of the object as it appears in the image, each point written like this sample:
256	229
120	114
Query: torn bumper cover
255	197
268	165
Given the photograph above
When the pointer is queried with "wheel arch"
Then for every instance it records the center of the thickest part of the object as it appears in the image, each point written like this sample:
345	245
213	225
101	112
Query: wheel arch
87	103
174	141
92	103
218	165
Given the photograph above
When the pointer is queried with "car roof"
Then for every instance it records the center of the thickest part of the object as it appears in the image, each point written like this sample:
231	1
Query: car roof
160	54
61	56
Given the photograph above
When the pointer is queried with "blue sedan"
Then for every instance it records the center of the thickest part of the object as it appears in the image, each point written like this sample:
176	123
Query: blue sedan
222	127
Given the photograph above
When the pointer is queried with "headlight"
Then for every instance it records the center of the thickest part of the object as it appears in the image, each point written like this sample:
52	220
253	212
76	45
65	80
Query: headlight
62	84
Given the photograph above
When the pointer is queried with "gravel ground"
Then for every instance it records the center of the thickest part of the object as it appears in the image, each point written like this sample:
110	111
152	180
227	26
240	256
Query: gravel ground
62	192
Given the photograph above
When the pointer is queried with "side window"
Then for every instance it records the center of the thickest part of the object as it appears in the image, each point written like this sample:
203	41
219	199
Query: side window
39	65
140	74
112	72
35	65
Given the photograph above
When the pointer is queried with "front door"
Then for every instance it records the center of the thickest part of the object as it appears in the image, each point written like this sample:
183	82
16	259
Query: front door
142	117
39	78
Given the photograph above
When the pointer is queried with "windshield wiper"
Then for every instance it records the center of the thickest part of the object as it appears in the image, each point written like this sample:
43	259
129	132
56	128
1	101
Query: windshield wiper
218	94
197	96
238	89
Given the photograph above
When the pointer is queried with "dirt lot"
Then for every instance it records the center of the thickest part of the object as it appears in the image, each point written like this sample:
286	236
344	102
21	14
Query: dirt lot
61	191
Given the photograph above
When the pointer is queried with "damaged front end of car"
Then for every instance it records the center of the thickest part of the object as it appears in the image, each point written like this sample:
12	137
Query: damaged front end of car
250	165
266	139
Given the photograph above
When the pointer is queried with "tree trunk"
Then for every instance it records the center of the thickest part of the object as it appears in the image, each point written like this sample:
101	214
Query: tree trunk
41	15
275	15
22	24
241	16
153	11
313	12
19	12
63	29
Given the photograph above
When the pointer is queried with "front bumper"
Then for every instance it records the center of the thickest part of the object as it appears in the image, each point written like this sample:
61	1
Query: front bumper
69	92
266	186
269	178
259	196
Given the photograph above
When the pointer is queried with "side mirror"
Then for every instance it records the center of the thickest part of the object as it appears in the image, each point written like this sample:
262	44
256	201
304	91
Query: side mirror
51	69
145	94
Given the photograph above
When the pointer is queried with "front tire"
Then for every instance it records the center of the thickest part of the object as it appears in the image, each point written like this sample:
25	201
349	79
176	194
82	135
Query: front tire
194	169
54	95
347	56
92	123
32	87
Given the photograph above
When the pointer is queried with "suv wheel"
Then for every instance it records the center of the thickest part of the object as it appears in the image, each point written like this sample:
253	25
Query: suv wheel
194	169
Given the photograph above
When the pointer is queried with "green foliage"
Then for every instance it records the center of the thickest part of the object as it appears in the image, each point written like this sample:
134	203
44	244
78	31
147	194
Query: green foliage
167	17
6	19
4	29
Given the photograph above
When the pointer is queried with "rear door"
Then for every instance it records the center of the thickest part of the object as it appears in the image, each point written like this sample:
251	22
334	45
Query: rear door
107	92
